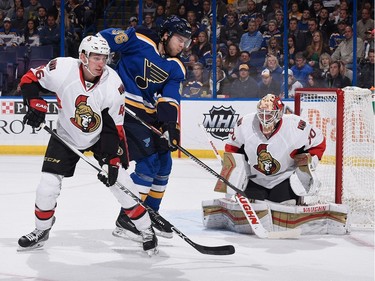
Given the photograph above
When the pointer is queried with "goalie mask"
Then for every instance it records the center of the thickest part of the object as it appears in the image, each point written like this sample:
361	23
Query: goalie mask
269	112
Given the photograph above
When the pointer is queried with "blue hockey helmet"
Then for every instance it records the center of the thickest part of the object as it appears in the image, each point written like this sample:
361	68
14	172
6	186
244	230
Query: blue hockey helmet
175	25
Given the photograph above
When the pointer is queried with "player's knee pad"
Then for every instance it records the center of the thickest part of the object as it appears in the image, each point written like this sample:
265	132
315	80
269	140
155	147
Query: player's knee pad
226	213
48	190
327	218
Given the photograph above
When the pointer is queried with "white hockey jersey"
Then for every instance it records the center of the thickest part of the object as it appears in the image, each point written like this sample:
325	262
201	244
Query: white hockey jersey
80	103
271	160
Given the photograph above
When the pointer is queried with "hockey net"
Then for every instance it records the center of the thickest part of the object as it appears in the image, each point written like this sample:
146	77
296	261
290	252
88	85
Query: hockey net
346	117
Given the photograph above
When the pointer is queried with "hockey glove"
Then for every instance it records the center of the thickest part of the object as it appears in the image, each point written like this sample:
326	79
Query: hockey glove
36	113
112	164
171	135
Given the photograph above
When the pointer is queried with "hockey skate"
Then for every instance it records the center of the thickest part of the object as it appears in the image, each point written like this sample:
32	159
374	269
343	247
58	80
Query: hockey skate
126	229
162	227
34	239
150	241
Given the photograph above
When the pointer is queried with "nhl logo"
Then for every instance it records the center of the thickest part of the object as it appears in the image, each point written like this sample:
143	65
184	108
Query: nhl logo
220	121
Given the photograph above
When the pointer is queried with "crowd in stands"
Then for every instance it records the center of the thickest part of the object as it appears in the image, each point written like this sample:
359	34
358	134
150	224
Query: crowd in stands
249	51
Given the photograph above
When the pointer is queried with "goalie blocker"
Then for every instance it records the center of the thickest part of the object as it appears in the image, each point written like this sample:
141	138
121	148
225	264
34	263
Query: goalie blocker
316	219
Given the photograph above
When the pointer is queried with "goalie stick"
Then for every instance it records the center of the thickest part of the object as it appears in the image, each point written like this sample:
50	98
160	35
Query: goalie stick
208	250
248	210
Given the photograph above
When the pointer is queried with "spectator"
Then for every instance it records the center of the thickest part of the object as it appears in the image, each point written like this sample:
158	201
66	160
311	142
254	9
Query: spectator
55	10
192	60
334	78
202	45
301	69
231	60
279	17
244	58
366	71
6	8
75	12
17	4
272	31
8	35
315	49
181	11
293	84
206	12
261	23
50	35
31	11
244	86
316	8
274	48
251	41
31	35
210	28
292	50
337	37
272	64
364	24
197	86
248	14
268	85
231	33
160	15
369	43
313	27
230	9
324	25
275	7
41	19
344	51
195	26
222	83
195	6
324	63
303	23
148	22
133	21
149	7
294	11
314	80
19	22
300	37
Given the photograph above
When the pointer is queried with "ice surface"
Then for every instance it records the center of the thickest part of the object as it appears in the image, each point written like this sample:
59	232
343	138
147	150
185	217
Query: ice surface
81	246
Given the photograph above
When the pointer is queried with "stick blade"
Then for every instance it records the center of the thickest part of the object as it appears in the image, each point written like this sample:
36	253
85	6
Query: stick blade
218	250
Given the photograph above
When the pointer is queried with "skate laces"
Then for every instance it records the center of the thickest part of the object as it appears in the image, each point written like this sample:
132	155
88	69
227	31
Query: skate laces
147	234
35	235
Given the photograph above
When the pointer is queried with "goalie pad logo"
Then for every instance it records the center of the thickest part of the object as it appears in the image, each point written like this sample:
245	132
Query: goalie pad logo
220	121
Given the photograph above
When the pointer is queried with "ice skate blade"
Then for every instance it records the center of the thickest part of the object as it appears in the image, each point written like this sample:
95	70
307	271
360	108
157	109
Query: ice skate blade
126	234
152	252
37	246
168	235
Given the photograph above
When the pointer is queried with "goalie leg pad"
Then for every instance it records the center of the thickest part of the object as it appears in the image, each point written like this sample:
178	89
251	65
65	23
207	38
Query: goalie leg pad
316	219
225	213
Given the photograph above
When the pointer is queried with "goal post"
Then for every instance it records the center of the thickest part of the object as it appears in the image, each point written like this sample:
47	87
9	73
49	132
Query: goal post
347	169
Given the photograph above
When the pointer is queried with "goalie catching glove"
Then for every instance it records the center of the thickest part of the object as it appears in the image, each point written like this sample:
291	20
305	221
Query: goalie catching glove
170	137
111	165
36	113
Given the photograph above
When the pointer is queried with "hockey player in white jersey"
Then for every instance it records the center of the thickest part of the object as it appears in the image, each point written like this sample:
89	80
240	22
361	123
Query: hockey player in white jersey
275	145
90	99
267	154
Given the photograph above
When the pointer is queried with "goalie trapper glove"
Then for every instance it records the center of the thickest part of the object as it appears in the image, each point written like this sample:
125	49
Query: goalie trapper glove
36	113
171	136
112	164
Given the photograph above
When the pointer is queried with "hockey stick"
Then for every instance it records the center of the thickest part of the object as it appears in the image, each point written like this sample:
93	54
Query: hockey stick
187	153
208	250
249	212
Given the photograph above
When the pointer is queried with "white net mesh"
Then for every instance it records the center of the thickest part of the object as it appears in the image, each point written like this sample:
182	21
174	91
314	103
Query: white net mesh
358	173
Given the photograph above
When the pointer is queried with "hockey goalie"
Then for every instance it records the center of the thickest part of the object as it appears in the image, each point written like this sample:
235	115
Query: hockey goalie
272	158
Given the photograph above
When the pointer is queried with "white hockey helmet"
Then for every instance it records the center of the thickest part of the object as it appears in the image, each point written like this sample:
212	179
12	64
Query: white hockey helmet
93	44
270	110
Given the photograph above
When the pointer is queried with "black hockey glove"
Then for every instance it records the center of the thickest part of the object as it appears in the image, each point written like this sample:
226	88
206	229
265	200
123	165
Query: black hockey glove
171	135
36	113
113	165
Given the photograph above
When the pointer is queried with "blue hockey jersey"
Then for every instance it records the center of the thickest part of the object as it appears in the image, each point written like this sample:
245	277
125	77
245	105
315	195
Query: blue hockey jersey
153	83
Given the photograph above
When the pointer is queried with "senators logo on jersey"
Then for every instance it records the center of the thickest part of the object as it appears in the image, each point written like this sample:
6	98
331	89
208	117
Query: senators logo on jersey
266	163
85	118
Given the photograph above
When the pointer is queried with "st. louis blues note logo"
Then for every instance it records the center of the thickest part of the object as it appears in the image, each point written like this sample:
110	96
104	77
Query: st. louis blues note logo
152	73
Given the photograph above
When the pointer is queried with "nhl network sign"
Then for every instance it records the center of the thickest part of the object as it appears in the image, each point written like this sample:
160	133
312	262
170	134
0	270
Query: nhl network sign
219	122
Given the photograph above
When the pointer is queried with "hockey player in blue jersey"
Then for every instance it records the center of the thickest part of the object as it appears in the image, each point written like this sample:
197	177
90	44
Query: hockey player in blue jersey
152	75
